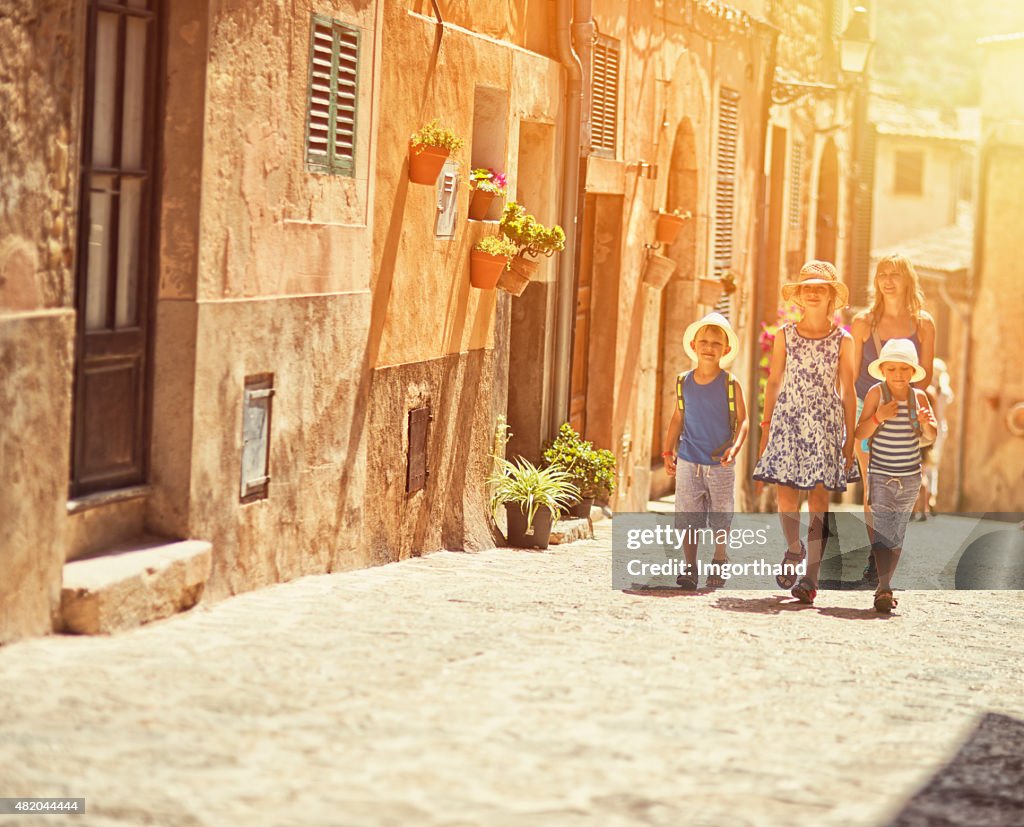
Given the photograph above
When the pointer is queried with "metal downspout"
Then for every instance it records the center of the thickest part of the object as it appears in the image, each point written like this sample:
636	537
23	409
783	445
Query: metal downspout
564	293
753	414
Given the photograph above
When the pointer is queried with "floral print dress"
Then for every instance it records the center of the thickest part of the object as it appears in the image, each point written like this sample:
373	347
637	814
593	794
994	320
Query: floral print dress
805	440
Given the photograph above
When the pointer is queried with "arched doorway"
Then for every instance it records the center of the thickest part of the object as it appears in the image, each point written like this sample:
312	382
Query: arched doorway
677	306
826	226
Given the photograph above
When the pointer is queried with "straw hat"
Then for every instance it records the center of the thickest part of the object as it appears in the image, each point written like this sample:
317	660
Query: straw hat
718	320
897	350
817	272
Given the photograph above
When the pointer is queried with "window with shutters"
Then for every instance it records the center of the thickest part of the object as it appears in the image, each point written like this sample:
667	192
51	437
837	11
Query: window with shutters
604	106
725	186
796	173
909	172
333	97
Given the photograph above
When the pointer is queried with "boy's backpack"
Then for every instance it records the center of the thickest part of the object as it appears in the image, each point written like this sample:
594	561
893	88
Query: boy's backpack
730	382
915	423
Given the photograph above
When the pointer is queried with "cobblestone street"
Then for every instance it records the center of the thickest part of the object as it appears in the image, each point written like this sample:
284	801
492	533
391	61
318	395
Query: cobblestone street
508	688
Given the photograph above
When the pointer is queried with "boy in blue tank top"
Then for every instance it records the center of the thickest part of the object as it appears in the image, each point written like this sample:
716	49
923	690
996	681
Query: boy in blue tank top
896	417
704	435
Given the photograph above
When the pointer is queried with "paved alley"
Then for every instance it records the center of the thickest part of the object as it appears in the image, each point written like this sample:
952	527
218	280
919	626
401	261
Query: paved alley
507	688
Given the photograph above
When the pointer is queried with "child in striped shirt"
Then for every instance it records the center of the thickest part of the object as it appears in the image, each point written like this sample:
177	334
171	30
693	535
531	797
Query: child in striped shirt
896	417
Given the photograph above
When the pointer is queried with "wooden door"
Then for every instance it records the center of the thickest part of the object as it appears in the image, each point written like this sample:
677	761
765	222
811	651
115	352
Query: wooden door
113	268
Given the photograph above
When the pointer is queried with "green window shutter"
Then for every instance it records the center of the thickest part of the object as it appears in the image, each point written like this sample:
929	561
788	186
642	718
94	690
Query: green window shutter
346	41
333	96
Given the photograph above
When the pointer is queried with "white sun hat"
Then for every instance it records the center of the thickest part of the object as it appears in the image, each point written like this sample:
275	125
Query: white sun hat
897	350
718	320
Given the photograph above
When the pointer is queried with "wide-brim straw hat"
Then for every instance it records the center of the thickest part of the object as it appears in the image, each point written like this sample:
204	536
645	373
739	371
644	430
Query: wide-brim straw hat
897	350
817	272
718	320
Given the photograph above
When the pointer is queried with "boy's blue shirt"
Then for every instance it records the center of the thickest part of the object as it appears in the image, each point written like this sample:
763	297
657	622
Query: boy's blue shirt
706	420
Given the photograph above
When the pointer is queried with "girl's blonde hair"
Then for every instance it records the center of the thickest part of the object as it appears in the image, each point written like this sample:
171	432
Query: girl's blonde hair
914	294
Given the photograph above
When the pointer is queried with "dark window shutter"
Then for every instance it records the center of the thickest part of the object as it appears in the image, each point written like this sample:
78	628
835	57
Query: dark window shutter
725	189
333	96
909	172
796	177
604	108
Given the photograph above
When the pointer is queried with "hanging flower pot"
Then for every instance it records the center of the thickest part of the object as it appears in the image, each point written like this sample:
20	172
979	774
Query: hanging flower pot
710	291
426	163
485	269
658	270
480	204
429	148
666	231
519	274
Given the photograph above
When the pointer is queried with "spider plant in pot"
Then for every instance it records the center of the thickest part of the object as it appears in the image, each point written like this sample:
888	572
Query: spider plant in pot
533	497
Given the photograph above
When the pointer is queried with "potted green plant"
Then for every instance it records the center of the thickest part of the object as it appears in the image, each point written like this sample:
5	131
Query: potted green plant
485	185
591	469
489	260
666	231
429	148
531	239
533	499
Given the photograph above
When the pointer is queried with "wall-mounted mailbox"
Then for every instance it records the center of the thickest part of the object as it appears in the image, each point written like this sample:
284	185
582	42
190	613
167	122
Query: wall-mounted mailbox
447	200
256	407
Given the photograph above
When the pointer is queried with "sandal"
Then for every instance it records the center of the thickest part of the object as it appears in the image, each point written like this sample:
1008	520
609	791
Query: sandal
788	580
885	602
805	592
688	582
716	581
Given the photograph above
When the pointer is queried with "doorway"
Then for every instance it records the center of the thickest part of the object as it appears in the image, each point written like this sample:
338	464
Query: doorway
112	279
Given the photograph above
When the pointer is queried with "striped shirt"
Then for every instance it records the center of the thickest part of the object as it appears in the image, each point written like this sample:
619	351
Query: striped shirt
895	446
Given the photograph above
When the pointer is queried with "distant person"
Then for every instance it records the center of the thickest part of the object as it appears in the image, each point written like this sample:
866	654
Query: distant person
706	432
807	432
895	417
896	312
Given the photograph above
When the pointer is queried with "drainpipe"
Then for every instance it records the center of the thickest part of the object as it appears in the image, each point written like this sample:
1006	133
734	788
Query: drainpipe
753	414
565	299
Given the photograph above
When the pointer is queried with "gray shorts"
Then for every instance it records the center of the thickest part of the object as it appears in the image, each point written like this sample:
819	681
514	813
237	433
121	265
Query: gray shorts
892	501
704	495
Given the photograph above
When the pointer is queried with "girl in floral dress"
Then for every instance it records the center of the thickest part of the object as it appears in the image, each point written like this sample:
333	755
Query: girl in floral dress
807	432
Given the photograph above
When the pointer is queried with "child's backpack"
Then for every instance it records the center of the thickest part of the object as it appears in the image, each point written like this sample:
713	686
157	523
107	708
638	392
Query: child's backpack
911	412
730	382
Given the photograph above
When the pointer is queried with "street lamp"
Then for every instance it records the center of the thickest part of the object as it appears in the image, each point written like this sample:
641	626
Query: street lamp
854	47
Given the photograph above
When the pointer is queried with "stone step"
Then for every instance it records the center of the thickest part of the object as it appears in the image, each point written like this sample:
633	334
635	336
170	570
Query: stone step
570	530
132	584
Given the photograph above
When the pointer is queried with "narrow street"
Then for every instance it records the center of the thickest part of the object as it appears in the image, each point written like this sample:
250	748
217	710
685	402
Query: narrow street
508	688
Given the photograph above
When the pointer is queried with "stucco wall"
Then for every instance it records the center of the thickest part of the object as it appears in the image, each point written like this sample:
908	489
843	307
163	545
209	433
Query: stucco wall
35	397
39	99
424	307
895	216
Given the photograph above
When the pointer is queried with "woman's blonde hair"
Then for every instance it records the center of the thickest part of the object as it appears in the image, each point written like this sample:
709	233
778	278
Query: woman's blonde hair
914	294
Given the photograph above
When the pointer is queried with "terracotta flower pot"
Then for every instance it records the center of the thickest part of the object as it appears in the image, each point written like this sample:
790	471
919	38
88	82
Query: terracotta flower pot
581	510
667	229
480	204
485	269
710	291
520	273
658	270
426	163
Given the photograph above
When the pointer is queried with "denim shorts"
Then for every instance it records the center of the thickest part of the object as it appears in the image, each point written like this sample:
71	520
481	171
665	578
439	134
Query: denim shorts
704	495
892	502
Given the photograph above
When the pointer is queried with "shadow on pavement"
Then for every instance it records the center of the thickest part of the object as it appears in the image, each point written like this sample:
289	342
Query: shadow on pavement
655	591
982	786
853	614
761	605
